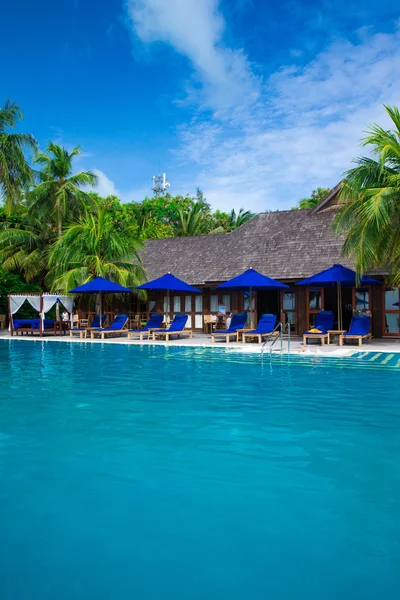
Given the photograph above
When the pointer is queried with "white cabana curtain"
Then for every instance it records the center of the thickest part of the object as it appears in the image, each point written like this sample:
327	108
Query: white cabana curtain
16	302
49	301
34	301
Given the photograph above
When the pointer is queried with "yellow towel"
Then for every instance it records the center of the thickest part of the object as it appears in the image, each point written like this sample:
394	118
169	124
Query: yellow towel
314	330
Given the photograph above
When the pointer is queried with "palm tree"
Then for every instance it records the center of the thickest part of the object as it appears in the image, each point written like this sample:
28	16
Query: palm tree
24	244
370	215
315	198
236	219
92	246
15	172
59	196
193	221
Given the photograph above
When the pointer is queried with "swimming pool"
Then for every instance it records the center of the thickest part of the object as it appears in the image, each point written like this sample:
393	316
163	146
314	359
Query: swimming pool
149	472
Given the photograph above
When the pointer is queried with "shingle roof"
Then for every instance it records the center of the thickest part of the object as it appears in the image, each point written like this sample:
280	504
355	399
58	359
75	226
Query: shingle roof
286	245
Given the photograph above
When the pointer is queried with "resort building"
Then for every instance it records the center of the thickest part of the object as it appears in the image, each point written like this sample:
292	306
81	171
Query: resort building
285	245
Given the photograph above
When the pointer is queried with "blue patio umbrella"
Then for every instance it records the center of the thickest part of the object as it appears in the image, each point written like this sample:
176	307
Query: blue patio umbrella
100	285
169	283
338	276
251	280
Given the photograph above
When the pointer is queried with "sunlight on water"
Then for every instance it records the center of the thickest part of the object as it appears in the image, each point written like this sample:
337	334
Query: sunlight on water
144	473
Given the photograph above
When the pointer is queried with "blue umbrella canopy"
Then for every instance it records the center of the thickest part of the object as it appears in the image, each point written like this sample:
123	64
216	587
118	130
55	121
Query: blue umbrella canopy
340	276
337	274
100	285
169	283
251	279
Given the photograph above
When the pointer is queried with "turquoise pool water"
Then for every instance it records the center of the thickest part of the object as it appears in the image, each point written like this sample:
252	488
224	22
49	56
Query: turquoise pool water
180	473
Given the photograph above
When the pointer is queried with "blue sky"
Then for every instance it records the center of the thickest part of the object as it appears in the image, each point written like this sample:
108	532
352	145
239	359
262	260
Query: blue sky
255	102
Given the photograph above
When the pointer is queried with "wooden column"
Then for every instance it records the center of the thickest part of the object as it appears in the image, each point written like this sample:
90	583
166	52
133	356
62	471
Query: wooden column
10	315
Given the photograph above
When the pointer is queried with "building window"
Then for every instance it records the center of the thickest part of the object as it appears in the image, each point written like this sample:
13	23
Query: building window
289	309
214	303
167	302
226	301
198	303
392	311
361	301
315	304
315	300
188	304
177	304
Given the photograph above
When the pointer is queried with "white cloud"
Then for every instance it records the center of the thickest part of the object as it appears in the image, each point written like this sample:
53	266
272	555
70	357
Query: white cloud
304	131
267	143
105	187
194	29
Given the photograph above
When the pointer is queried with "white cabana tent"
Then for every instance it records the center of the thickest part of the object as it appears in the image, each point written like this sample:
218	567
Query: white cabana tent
41	302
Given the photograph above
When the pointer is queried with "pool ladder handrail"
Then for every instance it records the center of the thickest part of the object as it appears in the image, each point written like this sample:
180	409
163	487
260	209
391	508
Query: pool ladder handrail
282	328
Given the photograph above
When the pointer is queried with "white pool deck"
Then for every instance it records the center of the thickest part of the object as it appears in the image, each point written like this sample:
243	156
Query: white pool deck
204	340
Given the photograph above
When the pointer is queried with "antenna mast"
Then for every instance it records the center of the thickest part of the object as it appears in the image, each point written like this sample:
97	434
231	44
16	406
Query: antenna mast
160	184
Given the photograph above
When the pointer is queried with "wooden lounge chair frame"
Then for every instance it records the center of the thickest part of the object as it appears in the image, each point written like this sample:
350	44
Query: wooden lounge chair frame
360	338
103	332
82	333
259	336
142	334
167	334
324	337
227	336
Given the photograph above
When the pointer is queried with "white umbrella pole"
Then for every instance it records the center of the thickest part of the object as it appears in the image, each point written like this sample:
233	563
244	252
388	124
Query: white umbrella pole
168	309
101	308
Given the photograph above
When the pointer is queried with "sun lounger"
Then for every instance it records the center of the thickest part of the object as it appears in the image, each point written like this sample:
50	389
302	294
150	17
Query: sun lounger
146	332
177	328
359	330
323	322
265	328
82	331
238	322
118	327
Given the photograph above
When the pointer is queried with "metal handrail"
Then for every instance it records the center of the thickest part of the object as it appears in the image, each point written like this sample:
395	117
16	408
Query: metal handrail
277	326
282	329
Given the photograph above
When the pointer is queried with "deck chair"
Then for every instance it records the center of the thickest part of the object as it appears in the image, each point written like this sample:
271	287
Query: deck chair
323	322
238	322
82	331
177	327
265	328
146	332
359	330
118	327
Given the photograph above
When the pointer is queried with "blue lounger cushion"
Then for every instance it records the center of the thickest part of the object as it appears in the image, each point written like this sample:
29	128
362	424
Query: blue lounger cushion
32	324
266	324
238	322
96	321
153	323
118	323
323	322
177	325
360	325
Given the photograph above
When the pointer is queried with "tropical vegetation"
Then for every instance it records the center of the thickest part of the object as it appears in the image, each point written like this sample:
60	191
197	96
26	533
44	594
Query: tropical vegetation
56	232
15	173
92	246
59	191
315	198
370	215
